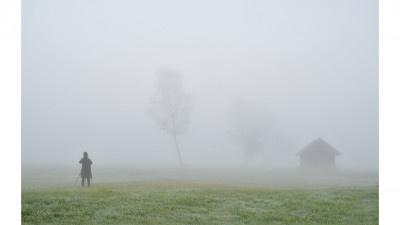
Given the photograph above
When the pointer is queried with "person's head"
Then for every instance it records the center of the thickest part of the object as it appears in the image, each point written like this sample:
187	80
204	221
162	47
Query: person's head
85	154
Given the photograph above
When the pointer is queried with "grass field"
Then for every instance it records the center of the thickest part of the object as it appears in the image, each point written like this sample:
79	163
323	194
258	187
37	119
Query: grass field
175	200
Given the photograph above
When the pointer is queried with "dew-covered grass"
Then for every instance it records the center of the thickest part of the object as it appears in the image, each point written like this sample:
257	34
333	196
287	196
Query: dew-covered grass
198	203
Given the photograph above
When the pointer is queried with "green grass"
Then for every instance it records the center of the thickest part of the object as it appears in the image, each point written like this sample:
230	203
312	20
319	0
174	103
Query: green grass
199	203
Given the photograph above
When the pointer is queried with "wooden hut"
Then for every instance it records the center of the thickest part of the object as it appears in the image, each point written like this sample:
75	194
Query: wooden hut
318	154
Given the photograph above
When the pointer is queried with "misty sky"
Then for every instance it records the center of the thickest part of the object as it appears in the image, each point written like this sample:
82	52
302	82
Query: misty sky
89	70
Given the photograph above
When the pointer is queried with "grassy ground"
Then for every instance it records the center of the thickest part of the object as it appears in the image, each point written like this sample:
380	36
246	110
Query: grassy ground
199	203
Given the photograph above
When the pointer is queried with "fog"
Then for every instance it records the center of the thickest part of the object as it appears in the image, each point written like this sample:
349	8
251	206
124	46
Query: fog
289	71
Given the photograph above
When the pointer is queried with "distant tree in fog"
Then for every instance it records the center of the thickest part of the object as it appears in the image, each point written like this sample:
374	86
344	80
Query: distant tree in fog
256	130
247	127
171	106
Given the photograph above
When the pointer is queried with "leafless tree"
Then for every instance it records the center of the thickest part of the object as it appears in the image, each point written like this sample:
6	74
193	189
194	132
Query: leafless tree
171	106
247	127
257	130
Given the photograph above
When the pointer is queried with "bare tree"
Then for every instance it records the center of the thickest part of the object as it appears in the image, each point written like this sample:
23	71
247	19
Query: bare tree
171	106
247	127
257	130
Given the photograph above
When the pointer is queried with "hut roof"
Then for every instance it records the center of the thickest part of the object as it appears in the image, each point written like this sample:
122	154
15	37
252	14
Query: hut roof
320	145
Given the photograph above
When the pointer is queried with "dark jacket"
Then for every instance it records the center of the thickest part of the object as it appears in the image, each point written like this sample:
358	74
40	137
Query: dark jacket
86	171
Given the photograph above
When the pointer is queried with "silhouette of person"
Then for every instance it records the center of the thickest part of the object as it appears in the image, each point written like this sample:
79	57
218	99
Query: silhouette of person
86	171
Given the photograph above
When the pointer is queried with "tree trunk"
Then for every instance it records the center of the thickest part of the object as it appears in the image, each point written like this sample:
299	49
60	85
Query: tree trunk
177	149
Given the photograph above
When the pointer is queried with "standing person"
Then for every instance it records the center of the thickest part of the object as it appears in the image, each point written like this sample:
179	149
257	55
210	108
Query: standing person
86	171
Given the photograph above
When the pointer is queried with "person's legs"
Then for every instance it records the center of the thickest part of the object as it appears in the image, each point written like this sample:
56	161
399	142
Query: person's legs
88	182
83	181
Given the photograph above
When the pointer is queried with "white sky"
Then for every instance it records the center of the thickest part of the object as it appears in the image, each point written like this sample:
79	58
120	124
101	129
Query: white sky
88	71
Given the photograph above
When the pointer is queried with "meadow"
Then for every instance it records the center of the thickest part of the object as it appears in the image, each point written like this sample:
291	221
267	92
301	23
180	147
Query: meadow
198	196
